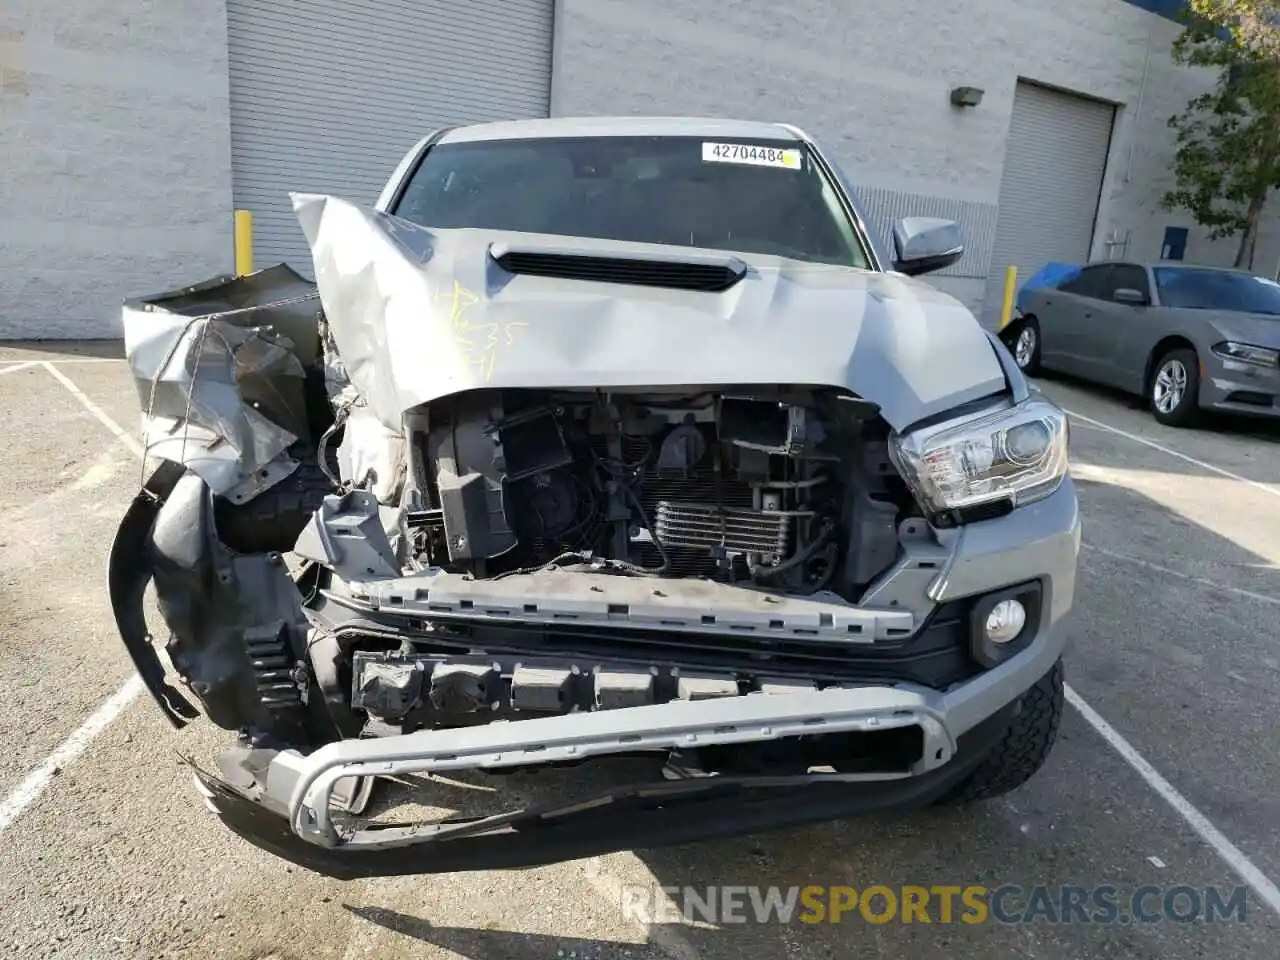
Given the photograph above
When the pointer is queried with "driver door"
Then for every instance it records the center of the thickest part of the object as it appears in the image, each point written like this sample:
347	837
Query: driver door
1067	321
1119	325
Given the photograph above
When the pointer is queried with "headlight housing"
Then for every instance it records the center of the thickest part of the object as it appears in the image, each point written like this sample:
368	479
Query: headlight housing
1248	353
1017	455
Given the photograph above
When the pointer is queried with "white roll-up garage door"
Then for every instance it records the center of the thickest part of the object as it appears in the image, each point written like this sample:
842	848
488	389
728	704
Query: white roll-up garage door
1055	159
327	96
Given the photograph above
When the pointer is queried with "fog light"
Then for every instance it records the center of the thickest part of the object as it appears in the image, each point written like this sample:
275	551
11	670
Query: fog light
1005	621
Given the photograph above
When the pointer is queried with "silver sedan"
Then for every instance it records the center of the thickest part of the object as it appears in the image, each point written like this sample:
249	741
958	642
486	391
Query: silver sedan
1188	338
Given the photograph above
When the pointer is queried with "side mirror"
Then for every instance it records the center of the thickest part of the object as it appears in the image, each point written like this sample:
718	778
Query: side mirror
1130	296
925	244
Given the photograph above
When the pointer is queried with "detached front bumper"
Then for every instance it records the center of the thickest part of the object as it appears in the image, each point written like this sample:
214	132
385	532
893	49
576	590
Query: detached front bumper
302	788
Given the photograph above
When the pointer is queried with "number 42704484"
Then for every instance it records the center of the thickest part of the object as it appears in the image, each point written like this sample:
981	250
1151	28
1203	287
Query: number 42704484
752	154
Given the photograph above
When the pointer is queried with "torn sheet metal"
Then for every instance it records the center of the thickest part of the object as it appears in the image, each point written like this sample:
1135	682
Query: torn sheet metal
219	369
419	314
336	382
372	457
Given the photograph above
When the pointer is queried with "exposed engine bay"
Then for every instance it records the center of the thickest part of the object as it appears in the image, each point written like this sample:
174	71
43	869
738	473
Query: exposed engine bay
782	491
789	491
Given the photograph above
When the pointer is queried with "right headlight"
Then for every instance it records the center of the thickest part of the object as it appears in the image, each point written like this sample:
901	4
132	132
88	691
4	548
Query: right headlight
1263	356
1018	454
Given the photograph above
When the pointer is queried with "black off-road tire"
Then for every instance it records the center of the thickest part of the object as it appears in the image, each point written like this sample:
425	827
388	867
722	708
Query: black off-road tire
1187	410
1024	747
271	521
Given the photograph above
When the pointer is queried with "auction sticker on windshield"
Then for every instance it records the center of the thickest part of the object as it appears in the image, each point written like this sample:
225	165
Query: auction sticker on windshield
752	154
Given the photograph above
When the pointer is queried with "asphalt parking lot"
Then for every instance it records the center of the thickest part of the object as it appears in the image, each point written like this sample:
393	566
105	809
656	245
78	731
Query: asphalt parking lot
1165	773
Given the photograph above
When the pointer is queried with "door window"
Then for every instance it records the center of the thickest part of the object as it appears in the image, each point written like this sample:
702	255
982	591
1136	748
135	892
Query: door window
1126	276
1090	282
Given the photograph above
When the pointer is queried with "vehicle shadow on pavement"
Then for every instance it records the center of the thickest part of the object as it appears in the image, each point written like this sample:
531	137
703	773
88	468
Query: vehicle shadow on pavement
20	350
1049	834
477	943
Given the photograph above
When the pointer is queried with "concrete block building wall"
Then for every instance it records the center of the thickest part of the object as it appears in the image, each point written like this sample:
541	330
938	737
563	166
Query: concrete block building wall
115	169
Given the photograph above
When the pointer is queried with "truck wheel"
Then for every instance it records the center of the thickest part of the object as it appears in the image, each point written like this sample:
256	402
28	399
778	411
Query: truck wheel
271	521
1023	748
1174	390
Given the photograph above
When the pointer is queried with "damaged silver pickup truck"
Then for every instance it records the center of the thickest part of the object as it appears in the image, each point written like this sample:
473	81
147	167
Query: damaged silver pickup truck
597	438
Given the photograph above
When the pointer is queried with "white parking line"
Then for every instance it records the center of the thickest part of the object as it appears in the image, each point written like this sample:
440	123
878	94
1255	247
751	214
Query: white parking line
1274	491
61	360
1169	571
1228	851
15	367
98	413
1234	857
34	784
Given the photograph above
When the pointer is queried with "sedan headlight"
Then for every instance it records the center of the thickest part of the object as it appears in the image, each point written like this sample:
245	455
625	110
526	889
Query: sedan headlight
1264	356
1018	454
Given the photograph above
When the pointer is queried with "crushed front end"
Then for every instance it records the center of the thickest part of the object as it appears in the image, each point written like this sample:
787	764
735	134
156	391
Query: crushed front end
763	589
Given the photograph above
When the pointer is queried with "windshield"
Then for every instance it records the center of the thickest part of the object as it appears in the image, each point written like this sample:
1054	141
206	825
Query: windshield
1192	289
765	197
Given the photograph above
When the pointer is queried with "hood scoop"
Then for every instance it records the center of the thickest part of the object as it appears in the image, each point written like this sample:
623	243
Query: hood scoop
709	273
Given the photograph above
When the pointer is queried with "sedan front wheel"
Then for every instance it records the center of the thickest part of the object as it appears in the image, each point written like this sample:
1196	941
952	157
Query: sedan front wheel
1174	390
1022	337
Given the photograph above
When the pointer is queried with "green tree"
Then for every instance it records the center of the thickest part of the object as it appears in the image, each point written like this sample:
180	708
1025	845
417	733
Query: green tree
1228	158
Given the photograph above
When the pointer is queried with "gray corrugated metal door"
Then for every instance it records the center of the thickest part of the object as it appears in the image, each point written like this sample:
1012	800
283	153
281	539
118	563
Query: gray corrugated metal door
1054	163
327	95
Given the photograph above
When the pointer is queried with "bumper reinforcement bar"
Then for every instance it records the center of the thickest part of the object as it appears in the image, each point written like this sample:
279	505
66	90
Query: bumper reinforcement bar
302	787
636	816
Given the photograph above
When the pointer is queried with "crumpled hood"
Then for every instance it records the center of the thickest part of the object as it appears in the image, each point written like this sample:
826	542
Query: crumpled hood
419	314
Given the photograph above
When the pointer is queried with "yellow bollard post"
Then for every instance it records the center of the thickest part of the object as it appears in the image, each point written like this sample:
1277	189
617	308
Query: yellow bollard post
1010	288
244	242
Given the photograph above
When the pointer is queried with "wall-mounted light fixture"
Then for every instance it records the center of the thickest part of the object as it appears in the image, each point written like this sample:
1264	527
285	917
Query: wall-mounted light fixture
966	96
